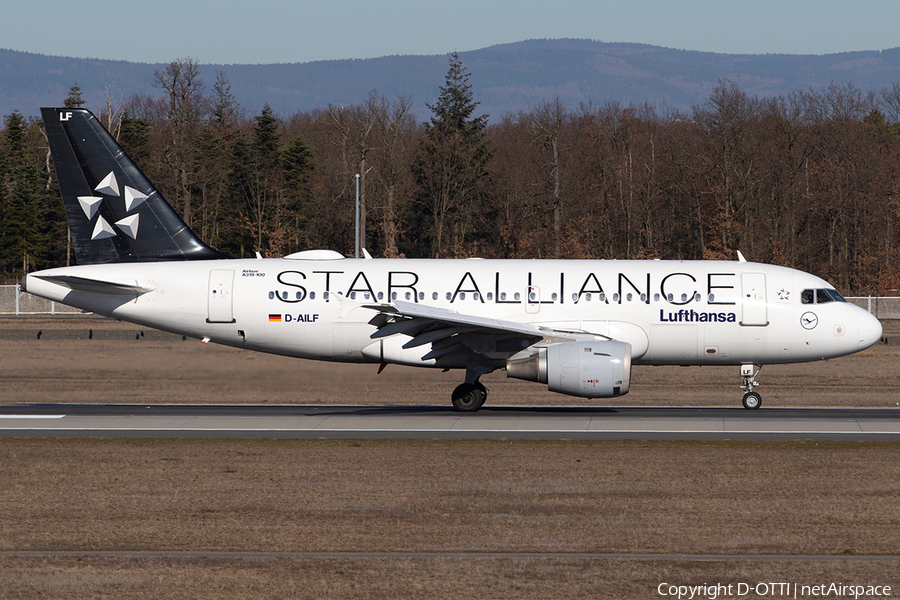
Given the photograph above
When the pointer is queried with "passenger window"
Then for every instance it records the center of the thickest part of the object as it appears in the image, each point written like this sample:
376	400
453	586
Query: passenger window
503	295
434	295
393	295
271	295
807	297
517	296
381	295
656	297
312	295
490	296
475	295
628	296
602	297
616	297
406	295
449	295
462	295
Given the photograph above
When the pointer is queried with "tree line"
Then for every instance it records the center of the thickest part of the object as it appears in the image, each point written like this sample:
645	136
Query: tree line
808	180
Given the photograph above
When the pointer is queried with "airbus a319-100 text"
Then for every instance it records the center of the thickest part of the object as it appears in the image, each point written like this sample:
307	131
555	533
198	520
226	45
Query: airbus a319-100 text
576	326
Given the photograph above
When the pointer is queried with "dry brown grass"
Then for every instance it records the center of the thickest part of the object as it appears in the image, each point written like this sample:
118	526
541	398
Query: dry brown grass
146	371
198	579
643	497
437	496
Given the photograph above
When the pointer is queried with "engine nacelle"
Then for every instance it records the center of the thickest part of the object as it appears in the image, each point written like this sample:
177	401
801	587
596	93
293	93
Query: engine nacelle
586	369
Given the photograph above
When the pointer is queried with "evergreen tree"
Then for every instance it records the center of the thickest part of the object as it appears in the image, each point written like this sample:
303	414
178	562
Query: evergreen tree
74	99
225	108
299	163
23	239
235	233
135	138
451	168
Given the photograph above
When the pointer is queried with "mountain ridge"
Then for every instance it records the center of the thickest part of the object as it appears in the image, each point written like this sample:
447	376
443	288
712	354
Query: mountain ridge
506	78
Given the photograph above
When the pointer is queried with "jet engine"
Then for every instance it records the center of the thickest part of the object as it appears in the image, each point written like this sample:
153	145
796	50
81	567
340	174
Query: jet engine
587	369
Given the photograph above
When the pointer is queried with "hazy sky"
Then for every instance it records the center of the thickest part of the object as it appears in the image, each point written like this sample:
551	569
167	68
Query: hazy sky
285	31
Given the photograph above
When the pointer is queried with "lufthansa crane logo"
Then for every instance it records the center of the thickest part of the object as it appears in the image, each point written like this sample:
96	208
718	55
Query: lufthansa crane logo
809	320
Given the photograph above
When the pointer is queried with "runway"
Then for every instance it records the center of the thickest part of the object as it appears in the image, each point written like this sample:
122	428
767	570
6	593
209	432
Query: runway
438	422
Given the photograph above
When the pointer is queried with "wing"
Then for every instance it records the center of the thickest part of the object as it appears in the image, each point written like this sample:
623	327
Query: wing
451	332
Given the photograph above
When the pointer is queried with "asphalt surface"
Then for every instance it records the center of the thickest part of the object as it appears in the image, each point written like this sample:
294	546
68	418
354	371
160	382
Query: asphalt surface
438	422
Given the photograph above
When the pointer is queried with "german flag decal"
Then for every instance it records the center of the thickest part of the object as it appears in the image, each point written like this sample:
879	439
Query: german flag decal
274	318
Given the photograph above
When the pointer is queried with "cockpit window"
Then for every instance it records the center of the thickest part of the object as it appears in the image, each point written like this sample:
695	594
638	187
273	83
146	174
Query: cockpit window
836	295
820	296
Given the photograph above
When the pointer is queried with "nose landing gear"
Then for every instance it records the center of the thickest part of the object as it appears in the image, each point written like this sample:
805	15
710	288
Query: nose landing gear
751	400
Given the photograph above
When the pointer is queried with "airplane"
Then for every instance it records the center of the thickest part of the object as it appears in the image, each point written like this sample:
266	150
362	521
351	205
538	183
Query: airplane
576	326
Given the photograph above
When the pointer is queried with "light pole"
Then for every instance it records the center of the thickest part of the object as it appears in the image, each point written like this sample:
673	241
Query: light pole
356	239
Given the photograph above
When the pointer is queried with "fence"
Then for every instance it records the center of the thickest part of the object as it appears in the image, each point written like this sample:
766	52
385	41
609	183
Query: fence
13	301
886	308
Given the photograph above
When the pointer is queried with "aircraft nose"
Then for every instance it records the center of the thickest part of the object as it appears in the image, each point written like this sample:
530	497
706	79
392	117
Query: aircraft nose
869	330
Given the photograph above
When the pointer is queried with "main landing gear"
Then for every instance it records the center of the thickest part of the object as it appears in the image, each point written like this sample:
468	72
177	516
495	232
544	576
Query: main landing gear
752	400
470	396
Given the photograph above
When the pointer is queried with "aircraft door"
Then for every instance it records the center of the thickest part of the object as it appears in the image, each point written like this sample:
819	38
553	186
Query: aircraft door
532	300
753	300
219	296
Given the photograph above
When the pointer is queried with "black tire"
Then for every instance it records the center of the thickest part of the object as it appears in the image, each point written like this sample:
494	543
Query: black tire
752	401
484	393
468	397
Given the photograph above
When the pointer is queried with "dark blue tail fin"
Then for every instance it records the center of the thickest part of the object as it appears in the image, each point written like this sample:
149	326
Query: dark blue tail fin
114	212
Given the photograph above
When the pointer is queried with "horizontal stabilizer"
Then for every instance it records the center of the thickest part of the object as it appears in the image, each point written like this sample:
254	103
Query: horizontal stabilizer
95	286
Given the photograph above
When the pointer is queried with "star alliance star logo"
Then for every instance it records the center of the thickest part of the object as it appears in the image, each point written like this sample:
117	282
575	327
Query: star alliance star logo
783	294
91	205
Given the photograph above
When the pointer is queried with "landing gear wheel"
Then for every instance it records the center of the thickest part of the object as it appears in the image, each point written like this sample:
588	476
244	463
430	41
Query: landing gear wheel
752	401
469	397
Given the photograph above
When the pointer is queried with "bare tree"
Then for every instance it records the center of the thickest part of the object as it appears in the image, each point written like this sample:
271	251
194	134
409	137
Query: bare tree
394	124
546	123
351	128
182	83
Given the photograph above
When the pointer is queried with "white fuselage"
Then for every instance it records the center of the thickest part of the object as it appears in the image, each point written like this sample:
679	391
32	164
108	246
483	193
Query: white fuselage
671	312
